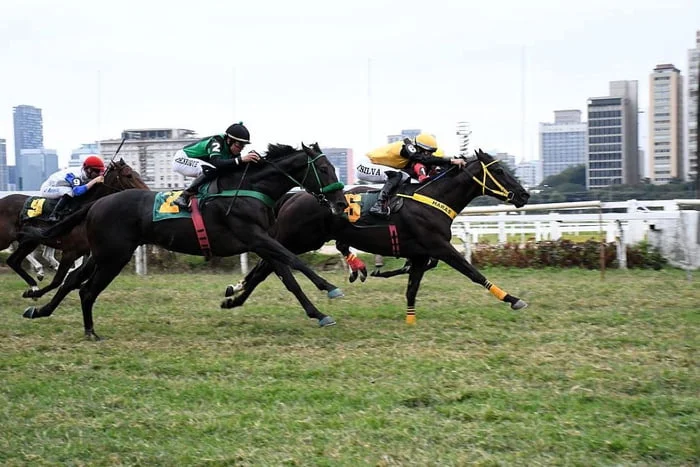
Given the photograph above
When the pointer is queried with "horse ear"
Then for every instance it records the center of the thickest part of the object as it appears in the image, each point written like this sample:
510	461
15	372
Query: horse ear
316	147
303	146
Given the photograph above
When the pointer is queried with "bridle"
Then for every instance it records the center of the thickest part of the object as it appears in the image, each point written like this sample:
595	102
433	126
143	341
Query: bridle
499	190
121	186
311	169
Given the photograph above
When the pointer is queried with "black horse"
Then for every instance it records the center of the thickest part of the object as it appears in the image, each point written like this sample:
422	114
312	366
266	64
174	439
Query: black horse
237	222
418	231
119	176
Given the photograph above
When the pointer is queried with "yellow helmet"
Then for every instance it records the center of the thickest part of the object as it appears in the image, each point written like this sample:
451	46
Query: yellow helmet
439	153
426	142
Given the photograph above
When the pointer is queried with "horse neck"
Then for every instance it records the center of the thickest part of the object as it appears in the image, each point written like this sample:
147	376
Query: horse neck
456	192
268	179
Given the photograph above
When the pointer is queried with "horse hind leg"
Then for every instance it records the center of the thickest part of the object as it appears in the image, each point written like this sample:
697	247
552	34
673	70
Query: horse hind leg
15	262
237	294
64	267
103	275
72	282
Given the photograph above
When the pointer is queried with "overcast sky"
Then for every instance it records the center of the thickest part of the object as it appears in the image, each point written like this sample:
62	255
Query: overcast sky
345	74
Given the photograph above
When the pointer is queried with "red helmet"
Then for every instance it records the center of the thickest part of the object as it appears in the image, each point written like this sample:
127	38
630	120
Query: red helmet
94	162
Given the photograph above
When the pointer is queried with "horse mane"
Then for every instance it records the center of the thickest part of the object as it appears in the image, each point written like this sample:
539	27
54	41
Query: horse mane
276	151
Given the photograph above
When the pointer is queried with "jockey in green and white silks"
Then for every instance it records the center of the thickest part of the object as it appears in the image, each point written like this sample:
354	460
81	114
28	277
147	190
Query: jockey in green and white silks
203	159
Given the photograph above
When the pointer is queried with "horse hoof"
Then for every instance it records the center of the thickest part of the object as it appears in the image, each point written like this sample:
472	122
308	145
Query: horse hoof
232	290
325	322
519	305
336	293
228	303
29	312
353	277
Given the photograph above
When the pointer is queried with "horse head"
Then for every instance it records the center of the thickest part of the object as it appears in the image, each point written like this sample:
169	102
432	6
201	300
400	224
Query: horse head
323	183
494	180
120	176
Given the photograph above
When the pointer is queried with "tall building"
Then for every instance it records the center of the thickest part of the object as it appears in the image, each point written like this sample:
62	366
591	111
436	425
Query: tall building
562	143
666	156
150	152
34	166
29	128
80	154
410	134
341	158
529	173
691	160
4	170
613	152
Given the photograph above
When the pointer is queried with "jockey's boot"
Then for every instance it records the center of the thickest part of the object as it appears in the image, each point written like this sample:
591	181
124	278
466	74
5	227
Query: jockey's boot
381	207
183	201
60	206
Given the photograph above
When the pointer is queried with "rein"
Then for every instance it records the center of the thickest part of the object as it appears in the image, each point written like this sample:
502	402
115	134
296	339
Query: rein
451	213
309	167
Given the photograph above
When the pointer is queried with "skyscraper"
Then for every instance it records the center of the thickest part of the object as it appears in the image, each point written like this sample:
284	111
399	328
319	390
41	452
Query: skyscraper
29	128
341	158
665	159
4	171
562	143
34	166
613	153
691	166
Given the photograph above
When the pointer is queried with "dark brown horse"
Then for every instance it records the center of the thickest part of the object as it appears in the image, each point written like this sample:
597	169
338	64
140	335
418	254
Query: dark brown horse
236	223
418	231
119	176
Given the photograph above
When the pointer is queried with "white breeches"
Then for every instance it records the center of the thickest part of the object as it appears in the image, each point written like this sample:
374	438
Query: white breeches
188	166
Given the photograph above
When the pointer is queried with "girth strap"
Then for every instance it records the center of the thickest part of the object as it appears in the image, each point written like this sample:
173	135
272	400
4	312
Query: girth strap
199	228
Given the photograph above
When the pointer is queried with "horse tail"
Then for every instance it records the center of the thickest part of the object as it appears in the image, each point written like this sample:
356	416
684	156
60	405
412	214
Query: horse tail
58	229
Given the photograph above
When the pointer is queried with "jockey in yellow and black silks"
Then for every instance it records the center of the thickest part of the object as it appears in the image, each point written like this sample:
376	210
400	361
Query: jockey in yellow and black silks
413	157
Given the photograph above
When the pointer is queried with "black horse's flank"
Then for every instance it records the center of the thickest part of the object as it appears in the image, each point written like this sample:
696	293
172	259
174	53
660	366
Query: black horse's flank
118	224
119	176
420	230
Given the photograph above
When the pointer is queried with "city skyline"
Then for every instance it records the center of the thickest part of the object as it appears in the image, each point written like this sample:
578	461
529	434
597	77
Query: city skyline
344	76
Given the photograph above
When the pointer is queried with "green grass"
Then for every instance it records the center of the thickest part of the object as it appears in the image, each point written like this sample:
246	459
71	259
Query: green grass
594	372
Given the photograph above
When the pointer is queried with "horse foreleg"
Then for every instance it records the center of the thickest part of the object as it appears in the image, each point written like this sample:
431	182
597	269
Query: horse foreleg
415	275
357	266
72	282
270	249
36	265
237	294
453	258
49	255
15	262
285	275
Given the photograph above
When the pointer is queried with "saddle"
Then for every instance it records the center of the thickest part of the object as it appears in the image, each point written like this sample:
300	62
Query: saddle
39	208
359	205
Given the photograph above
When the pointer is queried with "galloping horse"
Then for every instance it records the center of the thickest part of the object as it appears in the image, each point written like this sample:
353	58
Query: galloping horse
119	176
236	222
418	231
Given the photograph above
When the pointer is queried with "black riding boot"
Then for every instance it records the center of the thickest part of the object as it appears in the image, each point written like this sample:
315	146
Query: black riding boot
183	201
63	202
381	207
